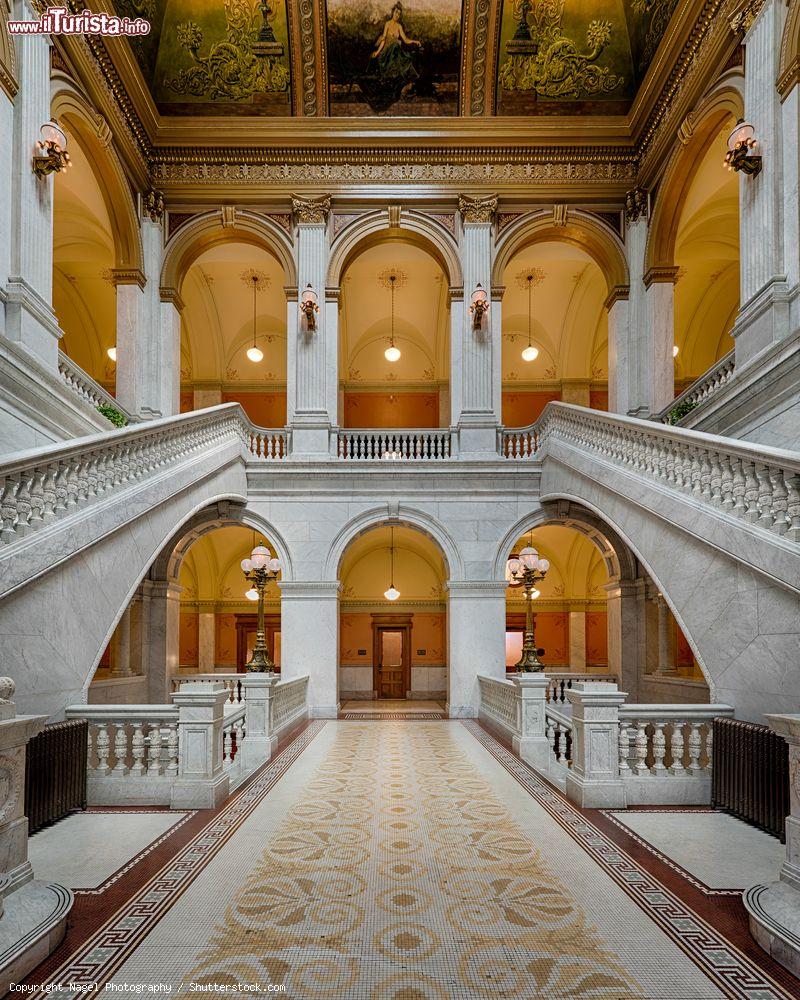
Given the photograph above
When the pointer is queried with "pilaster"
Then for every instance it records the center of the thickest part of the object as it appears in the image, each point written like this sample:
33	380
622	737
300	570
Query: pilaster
313	354
164	646
475	365
623	634
764	313
310	641
122	646
30	321
476	618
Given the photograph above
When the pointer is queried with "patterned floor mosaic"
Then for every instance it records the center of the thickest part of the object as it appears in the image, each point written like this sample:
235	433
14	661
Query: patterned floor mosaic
409	862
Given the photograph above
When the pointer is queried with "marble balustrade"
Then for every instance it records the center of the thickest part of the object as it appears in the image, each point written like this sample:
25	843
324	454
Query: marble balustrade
704	387
85	387
396	445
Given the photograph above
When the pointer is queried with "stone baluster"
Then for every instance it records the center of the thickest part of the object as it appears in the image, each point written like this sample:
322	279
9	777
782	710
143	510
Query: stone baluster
676	747
154	749
695	747
659	747
120	747
138	749
103	748
641	748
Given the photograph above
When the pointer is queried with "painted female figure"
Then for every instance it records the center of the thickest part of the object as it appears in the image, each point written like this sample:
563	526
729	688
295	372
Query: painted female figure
395	66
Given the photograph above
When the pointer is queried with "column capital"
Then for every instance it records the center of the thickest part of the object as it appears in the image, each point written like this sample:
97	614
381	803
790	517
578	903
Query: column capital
476	211
127	276
477	588
619	293
637	205
153	206
311	211
660	276
309	590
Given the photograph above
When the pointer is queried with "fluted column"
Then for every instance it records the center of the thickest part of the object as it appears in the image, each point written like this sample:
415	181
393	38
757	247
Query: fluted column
148	329
314	380
764	313
475	353
164	645
122	646
641	364
623	634
667	659
30	321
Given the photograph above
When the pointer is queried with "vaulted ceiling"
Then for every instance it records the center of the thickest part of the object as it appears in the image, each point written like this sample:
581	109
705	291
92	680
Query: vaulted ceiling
427	58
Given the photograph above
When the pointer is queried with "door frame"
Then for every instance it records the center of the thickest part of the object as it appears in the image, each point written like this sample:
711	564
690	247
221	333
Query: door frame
391	622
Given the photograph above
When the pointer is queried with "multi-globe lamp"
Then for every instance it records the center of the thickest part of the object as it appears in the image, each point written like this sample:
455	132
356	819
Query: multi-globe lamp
525	570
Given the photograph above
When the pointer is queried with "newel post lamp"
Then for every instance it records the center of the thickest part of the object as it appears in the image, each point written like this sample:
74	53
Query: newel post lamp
526	570
259	571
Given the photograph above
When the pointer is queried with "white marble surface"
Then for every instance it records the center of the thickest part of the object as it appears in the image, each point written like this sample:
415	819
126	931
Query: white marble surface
720	850
83	850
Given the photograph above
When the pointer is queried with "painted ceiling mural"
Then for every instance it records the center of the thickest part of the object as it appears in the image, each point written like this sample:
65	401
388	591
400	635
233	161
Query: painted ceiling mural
396	57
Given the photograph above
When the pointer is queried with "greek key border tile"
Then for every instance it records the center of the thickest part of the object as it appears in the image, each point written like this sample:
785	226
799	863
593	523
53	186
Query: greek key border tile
383	716
98	958
722	962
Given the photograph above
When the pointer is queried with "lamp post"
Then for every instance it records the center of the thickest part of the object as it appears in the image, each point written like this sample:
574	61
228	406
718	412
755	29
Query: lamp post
260	570
526	570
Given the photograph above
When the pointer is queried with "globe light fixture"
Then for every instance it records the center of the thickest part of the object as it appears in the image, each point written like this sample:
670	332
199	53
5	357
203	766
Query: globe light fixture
254	353
741	145
392	593
53	157
309	307
525	570
479	306
112	353
530	353
260	569
392	353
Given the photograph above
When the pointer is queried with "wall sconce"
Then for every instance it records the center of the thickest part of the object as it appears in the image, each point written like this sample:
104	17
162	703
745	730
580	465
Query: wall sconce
740	155
309	307
479	306
54	157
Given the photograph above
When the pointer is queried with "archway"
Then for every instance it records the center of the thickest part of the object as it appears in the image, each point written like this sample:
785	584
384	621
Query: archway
394	336
393	649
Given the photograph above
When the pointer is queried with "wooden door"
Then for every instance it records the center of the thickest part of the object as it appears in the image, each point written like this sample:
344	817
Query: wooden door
391	668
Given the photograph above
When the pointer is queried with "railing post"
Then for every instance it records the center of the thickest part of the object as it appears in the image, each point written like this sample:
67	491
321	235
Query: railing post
530	741
259	743
201	782
594	781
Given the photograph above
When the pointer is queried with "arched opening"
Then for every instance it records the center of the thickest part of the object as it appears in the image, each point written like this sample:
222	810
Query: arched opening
394	337
555	331
190	616
233	332
393	650
707	258
84	256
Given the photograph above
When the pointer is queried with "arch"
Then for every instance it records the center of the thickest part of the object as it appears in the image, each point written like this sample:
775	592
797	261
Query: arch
376	227
614	550
8	56
396	514
90	129
581	230
213	229
702	126
789	64
167	564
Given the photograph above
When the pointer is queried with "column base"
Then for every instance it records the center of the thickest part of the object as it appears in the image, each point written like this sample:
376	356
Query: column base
477	440
201	793
311	441
256	750
33	926
595	794
774	917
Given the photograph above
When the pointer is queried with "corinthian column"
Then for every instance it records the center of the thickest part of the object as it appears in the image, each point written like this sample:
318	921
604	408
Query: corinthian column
312	355
475	353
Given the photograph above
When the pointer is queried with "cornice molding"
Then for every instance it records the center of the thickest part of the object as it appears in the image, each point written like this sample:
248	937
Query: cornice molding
660	275
127	276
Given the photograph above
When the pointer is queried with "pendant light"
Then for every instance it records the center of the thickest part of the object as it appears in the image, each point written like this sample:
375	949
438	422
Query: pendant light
392	593
392	353
530	353
255	354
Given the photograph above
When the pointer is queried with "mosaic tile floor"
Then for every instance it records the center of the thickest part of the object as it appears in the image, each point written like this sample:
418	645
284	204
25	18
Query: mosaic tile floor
407	861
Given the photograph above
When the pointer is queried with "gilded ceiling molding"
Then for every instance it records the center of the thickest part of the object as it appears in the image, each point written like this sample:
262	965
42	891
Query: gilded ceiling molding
477	210
618	293
741	21
8	54
582	230
446	219
394	216
789	65
560	213
311	211
341	220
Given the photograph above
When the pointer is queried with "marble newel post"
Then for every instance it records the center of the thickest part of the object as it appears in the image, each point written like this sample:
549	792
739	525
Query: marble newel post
642	377
531	742
312	380
33	915
475	353
259	743
148	330
775	909
201	781
310	641
593	781
764	312
476	618
30	321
